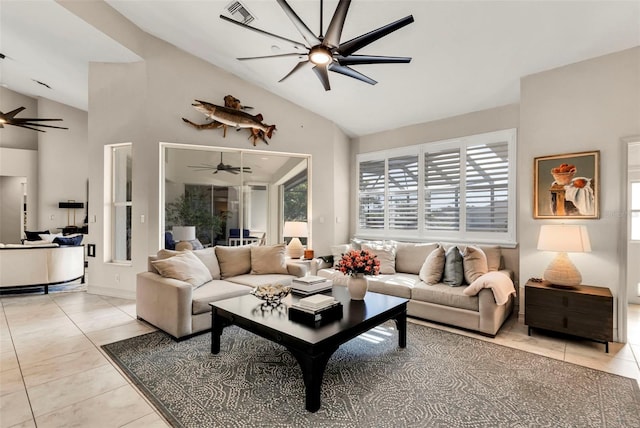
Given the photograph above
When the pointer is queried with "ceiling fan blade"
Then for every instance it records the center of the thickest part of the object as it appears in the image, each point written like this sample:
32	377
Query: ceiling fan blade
323	75
37	124
33	119
351	73
294	69
334	31
299	55
12	112
265	33
347	48
308	35
371	59
28	127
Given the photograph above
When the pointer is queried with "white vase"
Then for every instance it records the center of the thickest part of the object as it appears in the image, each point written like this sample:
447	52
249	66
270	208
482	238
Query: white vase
357	286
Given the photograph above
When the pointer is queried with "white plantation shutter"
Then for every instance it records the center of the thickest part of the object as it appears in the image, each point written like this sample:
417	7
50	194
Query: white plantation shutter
487	179
442	190
402	179
371	194
458	189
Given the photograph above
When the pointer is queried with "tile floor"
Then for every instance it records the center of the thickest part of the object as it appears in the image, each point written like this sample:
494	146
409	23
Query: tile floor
53	372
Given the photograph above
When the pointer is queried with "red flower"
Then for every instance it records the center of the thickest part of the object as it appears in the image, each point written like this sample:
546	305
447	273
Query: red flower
359	261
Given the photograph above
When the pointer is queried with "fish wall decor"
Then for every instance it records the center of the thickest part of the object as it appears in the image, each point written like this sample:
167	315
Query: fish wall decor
232	114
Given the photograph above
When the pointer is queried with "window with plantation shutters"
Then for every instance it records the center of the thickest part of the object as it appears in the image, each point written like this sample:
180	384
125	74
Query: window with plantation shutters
487	192
402	182
371	194
461	189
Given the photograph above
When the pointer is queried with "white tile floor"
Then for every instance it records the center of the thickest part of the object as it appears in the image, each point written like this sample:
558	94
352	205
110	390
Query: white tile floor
53	372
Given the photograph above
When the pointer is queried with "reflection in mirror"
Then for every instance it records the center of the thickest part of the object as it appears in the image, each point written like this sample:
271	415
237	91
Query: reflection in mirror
231	197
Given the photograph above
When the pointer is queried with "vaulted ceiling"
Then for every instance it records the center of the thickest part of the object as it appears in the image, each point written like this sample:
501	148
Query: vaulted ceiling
467	55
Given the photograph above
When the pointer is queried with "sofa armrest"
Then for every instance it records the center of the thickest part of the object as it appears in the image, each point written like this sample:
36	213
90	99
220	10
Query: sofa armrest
297	269
320	263
165	303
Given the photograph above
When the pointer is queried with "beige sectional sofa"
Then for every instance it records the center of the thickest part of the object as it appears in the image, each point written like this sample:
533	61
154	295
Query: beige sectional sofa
472	305
175	293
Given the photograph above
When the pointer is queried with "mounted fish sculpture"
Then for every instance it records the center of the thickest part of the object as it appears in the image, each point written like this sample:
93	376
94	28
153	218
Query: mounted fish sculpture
232	115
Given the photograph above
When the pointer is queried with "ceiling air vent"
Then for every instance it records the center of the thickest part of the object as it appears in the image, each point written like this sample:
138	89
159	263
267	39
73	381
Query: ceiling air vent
240	12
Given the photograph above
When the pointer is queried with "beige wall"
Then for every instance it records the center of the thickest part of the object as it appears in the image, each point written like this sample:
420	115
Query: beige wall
590	105
143	103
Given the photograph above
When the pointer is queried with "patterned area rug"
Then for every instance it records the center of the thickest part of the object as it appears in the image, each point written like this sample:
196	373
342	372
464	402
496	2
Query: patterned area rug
440	379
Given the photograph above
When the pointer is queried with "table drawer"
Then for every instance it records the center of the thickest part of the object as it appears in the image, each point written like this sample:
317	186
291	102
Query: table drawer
574	323
595	306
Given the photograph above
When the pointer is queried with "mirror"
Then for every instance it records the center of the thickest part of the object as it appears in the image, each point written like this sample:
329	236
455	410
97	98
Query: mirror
232	197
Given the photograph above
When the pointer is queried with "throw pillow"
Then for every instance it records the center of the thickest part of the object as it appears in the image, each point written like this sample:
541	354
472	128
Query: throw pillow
453	271
386	255
35	235
433	267
410	257
494	256
208	257
184	267
337	251
234	261
268	259
75	239
49	237
474	262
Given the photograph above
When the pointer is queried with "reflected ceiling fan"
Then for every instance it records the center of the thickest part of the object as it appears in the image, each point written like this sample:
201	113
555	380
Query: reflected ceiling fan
222	167
10	119
327	53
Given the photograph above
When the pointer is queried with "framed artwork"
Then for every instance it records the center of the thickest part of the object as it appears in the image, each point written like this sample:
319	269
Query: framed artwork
567	186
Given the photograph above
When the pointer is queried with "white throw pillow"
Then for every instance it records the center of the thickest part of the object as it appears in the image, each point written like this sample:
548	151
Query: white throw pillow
267	259
337	251
386	255
49	237
208	257
184	267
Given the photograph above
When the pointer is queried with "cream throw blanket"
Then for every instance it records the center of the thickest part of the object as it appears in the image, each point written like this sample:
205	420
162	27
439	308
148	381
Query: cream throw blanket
498	282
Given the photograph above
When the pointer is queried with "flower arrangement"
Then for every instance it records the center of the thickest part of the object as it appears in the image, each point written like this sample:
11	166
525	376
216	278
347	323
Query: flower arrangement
359	261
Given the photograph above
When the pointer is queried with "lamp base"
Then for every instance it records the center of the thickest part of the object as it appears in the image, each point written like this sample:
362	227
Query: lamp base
295	250
562	273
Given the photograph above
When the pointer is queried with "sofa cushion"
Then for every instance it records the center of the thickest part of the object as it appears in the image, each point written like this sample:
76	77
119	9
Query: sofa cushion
258	280
75	239
411	256
334	275
268	259
49	237
184	267
35	235
443	294
386	255
474	262
208	257
234	260
433	267
453	270
337	251
213	291
399	284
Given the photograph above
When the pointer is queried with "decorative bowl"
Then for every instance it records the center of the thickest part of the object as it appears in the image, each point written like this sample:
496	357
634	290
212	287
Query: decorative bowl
563	178
271	294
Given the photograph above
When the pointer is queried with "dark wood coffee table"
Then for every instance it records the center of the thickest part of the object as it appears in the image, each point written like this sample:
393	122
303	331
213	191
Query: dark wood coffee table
311	346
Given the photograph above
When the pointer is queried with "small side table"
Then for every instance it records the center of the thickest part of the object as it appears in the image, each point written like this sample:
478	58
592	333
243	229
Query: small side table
584	311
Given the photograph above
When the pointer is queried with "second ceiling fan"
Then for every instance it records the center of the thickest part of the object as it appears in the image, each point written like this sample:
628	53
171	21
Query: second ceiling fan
222	167
327	53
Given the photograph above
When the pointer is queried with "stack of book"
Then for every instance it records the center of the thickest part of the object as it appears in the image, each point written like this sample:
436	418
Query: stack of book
308	285
316	310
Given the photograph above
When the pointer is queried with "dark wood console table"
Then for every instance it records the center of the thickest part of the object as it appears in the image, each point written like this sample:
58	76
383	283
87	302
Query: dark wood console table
584	311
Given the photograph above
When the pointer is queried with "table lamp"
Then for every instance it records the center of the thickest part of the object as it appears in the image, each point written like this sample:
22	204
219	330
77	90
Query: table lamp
71	205
182	235
295	230
563	238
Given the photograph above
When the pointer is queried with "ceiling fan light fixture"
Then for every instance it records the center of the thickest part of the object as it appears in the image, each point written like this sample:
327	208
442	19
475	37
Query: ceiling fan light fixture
320	55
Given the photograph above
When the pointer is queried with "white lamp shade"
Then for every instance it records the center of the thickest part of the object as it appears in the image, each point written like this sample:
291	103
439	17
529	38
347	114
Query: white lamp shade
564	238
184	233
295	229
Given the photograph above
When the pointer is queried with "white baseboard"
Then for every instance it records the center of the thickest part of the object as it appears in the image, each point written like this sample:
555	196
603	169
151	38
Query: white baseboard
111	292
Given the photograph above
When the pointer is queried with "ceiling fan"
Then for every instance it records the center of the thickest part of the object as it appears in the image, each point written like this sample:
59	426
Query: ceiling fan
326	53
10	119
222	167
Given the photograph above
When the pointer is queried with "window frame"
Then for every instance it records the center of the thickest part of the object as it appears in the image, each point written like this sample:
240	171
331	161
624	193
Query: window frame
421	233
